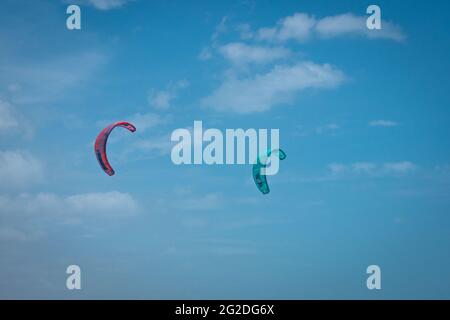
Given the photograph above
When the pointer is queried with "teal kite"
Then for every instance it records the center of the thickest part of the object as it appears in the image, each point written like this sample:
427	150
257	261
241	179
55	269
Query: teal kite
261	162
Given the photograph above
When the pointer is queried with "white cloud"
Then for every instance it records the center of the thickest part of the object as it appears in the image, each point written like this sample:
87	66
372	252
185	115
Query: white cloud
399	167
13	122
245	31
7	118
19	169
340	25
373	169
207	51
220	28
161	99
107	4
298	26
241	53
49	80
106	204
146	121
337	168
27	216
348	24
331	127
364	167
383	123
301	27
263	91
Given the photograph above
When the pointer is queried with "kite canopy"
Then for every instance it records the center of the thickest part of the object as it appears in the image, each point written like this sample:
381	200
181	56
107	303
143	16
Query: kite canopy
102	139
261	162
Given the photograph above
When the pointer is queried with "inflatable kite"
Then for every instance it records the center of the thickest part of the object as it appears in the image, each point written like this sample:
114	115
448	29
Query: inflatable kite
259	178
100	144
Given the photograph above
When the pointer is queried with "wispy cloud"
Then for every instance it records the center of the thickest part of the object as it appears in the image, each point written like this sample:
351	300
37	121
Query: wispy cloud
245	32
249	92
106	204
112	204
19	169
328	128
241	53
108	4
45	81
220	28
206	52
337	168
161	99
383	123
8	120
28	215
302	27
363	167
13	122
278	86
349	24
101	4
399	167
145	121
373	169
298	26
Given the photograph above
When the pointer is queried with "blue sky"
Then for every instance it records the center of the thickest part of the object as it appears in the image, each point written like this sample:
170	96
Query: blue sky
363	119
